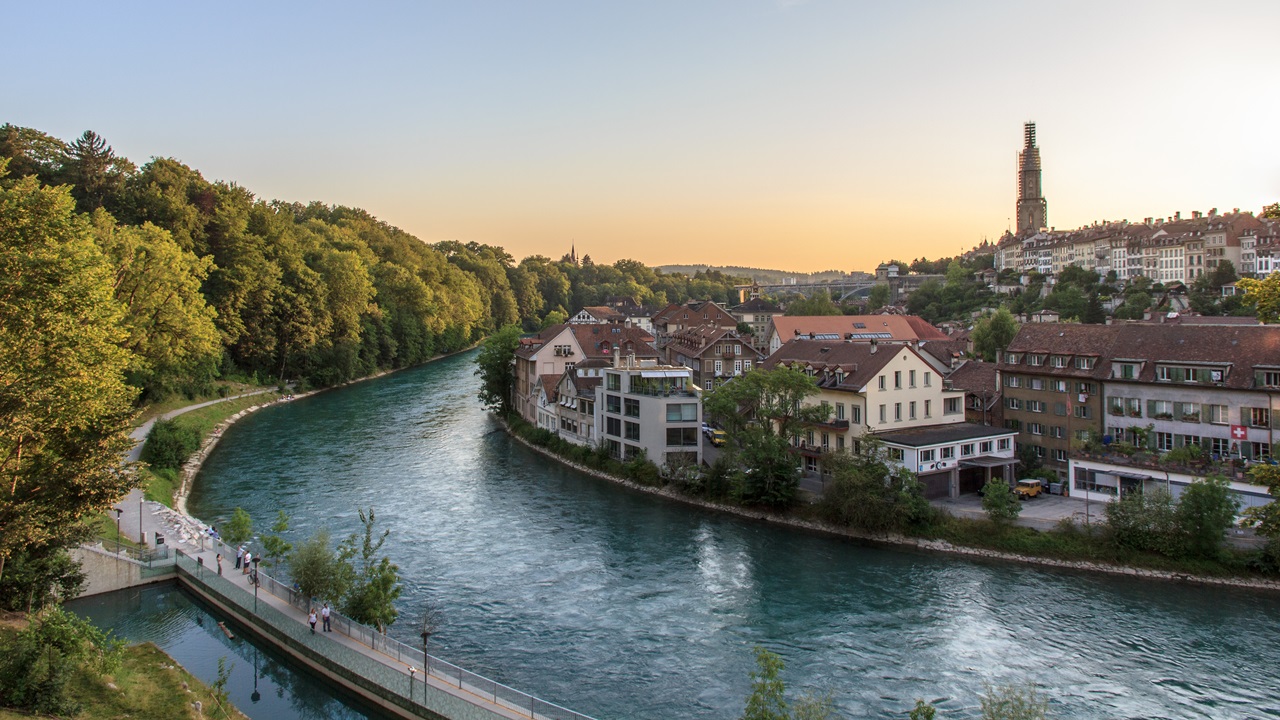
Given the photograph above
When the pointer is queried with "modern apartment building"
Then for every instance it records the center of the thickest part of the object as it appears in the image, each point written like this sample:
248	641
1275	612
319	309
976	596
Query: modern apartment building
646	407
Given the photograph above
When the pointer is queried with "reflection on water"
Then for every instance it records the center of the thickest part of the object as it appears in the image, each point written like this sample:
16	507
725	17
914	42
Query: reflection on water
261	683
619	604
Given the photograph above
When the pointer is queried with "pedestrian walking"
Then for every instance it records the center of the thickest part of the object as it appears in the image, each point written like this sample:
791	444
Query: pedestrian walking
239	556
219	563
248	558
324	615
312	619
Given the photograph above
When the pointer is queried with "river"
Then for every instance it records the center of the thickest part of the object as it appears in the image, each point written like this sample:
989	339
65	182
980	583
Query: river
619	604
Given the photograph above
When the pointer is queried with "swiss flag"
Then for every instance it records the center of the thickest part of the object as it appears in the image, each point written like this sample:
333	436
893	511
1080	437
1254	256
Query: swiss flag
1238	432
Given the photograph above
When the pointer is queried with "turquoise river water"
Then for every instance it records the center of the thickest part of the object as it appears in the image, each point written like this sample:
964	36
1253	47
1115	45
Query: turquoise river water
622	605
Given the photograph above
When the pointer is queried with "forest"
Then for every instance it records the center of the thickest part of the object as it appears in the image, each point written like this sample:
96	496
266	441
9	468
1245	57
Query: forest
214	280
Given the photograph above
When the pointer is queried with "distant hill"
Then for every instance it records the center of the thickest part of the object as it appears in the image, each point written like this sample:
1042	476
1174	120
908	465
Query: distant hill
760	275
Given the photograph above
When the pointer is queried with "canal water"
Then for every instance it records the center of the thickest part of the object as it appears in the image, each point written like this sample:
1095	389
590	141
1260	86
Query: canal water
621	605
261	683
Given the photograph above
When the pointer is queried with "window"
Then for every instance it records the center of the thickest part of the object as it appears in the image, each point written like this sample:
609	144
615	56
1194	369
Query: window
1003	444
1058	361
948	452
1128	371
613	404
926	456
928	379
897	379
1060	455
1084	387
613	381
1220	446
719	367
839	411
952	406
1055	431
1259	417
1164	441
737	367
737	349
1160	409
882	416
1270	378
1035	428
911	378
897	412
1059	408
1013	358
1164	373
1058	385
746	366
984	446
1013	403
1039	451
911	410
839	443
895	454
631	431
613	426
681	437
1084	363
1012	381
632	407
1259	450
1037	384
1036	406
808	438
857	415
927	405
826	442
1035	360
966	450
1083	411
682	412
1217	414
881	382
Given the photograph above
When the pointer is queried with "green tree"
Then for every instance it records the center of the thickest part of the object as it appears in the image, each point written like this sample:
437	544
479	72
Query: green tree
496	367
1011	702
319	570
993	333
1000	501
1266	518
376	585
274	547
1264	295
865	492
38	663
65	409
169	444
1271	211
878	296
95	173
767	700
1145	521
1206	509
760	412
819	304
238	529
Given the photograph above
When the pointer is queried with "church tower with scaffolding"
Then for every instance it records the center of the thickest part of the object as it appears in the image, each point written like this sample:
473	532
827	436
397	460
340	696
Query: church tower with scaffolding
1032	209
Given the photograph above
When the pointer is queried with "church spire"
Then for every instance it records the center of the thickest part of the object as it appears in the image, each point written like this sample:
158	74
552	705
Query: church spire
1032	209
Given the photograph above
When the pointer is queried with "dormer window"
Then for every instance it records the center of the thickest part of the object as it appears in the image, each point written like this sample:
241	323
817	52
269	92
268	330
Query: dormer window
1013	358
1035	360
1085	363
1058	361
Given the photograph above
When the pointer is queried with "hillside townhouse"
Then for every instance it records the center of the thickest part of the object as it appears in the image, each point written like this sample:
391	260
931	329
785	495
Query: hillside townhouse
983	396
1215	386
646	407
856	328
891	392
1052	375
543	358
597	315
714	354
756	314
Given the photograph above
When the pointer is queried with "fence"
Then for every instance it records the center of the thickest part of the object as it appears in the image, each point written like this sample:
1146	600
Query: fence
387	678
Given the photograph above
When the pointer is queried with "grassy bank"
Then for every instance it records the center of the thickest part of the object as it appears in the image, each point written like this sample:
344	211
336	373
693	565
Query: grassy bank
147	684
1069	542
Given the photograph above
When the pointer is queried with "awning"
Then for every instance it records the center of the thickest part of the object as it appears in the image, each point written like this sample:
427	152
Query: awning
987	462
663	373
1132	476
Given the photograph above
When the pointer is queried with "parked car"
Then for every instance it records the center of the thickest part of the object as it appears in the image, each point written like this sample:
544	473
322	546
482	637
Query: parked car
1029	488
706	429
718	437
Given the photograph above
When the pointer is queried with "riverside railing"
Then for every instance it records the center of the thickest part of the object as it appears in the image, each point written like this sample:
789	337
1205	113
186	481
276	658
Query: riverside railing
387	677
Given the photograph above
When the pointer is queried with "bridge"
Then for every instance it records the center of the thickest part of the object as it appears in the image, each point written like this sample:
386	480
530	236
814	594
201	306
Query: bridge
839	290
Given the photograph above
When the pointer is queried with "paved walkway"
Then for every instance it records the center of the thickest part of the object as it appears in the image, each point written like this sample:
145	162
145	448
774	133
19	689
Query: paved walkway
139	433
229	572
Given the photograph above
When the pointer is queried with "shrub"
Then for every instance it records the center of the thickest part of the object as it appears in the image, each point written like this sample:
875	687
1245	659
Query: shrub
169	444
1000	502
36	664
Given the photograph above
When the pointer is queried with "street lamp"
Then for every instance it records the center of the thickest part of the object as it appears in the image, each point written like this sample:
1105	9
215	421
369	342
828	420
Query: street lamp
412	671
140	538
119	512
256	583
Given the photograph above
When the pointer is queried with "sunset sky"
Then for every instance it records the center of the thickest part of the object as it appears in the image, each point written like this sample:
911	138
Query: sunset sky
792	135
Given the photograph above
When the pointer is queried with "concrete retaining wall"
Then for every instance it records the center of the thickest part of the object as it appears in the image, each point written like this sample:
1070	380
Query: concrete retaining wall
107	572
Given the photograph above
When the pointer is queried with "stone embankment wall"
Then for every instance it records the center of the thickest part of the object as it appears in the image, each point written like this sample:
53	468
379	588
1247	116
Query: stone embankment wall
107	572
907	541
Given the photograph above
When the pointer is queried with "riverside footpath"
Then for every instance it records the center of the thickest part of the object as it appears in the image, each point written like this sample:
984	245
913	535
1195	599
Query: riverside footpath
400	680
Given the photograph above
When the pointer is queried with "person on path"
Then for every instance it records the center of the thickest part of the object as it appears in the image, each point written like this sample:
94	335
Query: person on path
248	558
219	563
311	618
324	614
239	556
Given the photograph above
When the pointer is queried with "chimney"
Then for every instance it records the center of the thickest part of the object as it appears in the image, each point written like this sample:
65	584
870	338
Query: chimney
874	345
1177	215
1195	214
1213	211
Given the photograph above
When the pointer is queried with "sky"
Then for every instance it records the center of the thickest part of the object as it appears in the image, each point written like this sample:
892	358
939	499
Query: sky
795	135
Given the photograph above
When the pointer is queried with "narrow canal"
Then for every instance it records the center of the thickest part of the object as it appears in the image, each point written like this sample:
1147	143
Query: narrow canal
621	605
